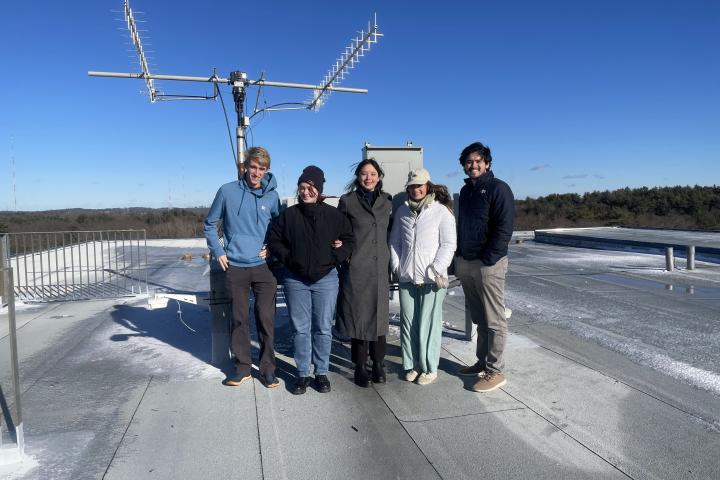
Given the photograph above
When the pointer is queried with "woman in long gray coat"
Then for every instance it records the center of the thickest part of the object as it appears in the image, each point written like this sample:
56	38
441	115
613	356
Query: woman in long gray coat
363	309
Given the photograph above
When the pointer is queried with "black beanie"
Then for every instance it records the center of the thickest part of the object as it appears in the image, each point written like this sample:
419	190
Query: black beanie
314	176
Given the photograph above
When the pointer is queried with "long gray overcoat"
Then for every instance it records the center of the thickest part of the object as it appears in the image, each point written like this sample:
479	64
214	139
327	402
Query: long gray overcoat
363	305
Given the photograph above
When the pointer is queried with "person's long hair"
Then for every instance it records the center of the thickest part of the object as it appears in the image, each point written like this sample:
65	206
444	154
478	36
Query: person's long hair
354	184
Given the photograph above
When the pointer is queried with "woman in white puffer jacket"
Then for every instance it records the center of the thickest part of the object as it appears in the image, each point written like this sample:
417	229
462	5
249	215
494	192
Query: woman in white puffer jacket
422	245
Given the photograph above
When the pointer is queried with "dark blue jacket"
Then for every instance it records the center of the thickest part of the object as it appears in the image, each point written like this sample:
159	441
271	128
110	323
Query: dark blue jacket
485	219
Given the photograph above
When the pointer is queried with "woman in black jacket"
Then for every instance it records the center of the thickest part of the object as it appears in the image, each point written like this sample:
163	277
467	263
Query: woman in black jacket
311	239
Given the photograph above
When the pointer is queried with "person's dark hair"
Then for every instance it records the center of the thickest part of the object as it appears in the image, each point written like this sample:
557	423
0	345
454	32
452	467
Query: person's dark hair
442	194
354	184
478	148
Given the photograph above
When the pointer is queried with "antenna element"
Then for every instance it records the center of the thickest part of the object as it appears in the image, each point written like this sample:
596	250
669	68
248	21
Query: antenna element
357	48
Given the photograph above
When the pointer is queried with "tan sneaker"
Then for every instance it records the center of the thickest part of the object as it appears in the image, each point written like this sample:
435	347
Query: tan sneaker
426	378
471	371
411	375
237	380
489	382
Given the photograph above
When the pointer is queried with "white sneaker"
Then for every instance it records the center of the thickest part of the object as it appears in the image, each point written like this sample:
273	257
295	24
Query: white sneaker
426	378
411	375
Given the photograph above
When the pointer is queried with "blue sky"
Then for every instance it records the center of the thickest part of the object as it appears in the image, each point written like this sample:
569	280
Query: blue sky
571	96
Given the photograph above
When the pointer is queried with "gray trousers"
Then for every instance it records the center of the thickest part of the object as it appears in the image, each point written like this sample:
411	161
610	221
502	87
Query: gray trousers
484	289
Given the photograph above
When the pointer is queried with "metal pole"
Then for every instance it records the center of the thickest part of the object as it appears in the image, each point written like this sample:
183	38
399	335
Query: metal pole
12	330
468	323
691	257
669	259
3	239
185	78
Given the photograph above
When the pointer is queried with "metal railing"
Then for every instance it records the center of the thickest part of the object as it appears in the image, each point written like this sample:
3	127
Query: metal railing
77	265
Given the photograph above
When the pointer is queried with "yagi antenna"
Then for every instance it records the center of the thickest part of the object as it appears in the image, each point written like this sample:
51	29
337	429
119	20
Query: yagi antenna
135	36
240	82
358	48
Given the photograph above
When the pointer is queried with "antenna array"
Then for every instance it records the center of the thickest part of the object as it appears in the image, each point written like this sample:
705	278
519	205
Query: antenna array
357	48
240	82
135	36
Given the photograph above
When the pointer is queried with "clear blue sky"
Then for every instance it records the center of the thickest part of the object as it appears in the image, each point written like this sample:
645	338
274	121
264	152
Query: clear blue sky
571	96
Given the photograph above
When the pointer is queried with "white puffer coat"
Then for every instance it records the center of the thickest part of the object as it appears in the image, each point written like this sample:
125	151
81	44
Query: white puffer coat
420	241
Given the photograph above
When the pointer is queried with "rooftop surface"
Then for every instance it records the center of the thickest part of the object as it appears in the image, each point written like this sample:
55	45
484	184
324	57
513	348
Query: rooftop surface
612	364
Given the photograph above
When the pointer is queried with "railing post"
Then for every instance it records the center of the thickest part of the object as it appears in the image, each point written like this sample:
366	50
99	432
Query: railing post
669	259
691	257
3	255
16	419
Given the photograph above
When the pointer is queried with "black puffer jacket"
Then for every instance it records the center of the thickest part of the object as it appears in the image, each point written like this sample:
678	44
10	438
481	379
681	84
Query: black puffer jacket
485	220
302	236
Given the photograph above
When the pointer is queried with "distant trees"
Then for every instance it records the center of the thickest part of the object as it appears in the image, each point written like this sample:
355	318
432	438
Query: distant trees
665	207
668	207
158	223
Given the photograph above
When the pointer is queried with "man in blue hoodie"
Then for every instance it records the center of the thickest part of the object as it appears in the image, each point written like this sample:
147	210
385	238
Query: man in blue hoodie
247	207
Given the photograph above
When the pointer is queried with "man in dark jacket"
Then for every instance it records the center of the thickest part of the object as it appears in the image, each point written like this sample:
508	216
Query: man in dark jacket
485	226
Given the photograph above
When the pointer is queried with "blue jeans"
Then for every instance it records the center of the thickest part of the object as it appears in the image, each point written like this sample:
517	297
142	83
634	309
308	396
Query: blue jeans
312	309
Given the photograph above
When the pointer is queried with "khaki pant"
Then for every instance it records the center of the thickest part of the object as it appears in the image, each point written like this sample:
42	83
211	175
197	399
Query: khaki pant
484	289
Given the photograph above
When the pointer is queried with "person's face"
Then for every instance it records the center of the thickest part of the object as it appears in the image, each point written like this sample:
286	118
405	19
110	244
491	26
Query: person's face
418	192
307	193
368	178
475	166
254	174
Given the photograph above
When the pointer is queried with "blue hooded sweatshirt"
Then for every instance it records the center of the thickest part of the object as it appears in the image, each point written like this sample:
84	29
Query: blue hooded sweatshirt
246	215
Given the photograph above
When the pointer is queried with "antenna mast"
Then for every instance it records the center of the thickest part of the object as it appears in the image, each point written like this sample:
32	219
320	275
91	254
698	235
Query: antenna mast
240	82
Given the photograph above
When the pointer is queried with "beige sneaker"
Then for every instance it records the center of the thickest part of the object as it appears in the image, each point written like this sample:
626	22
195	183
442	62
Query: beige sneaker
471	371
489	382
411	375
426	378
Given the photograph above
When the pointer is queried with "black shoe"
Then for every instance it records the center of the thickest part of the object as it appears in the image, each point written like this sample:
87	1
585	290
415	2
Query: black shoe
362	379
322	384
378	373
270	380
300	386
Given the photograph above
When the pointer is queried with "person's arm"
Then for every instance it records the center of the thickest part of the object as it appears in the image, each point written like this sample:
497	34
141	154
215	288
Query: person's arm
395	244
502	217
447	240
346	238
275	240
274	213
216	212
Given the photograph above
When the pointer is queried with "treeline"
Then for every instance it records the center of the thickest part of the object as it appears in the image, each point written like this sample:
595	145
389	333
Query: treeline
661	207
664	207
158	223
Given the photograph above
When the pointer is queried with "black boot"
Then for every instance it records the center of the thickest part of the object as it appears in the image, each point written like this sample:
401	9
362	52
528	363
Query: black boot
322	384
300	386
362	379
378	373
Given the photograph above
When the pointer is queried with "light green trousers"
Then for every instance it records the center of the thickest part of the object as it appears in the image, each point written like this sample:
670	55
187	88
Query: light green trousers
421	326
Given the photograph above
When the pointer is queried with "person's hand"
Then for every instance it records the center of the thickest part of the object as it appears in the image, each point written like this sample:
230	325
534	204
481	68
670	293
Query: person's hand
263	252
337	244
441	280
223	261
